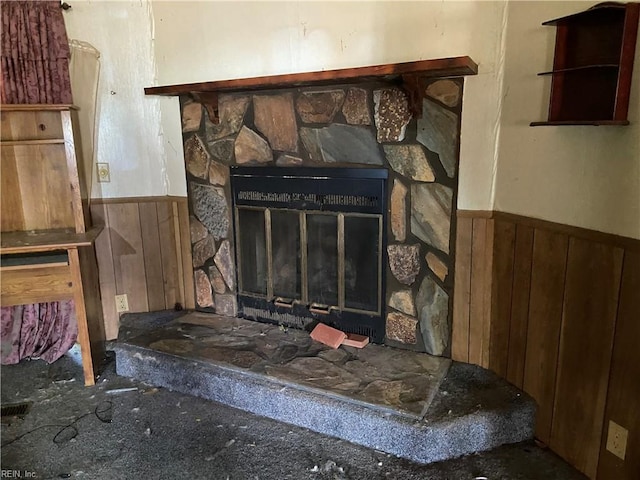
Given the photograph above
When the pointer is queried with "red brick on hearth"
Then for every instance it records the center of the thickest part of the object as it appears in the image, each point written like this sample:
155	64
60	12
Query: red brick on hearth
328	335
355	340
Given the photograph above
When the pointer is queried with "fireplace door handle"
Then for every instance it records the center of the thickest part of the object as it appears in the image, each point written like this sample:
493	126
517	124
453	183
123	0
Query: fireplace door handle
284	302
319	309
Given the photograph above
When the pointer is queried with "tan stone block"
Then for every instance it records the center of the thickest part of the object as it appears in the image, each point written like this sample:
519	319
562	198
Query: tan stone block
399	211
251	148
218	174
446	91
437	266
191	117
275	118
196	157
402	300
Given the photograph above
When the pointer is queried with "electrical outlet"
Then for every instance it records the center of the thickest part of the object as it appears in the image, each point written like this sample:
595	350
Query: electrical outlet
122	303
617	439
104	175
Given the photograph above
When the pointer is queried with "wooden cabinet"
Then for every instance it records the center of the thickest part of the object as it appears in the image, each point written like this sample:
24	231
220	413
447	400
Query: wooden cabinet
592	67
47	245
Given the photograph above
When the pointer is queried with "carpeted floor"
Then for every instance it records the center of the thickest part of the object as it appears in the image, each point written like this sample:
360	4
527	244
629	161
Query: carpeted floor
105	432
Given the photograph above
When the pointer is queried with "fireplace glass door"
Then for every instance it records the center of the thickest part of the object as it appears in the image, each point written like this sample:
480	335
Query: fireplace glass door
310	246
323	260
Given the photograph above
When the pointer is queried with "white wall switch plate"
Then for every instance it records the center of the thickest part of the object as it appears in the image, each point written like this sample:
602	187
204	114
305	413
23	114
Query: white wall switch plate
104	174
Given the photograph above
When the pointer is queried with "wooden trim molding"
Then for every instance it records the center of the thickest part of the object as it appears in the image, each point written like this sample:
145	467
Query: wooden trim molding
441	67
580	232
408	75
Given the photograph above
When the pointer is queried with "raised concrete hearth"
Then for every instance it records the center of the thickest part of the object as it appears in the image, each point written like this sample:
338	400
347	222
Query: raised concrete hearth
409	404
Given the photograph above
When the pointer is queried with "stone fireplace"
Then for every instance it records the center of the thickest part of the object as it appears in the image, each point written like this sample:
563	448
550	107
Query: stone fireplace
265	250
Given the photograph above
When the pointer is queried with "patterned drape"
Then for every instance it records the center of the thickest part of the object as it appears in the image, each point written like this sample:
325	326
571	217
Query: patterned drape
35	53
41	330
35	69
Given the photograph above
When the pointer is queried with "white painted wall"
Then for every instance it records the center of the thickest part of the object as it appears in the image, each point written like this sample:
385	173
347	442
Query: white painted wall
203	41
583	176
129	125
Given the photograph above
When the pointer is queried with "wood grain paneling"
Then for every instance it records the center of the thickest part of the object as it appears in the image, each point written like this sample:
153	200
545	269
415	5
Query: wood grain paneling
624	384
128	255
461	299
106	271
185	254
152	256
479	302
500	320
140	253
561	309
545	319
588	320
519	322
170	255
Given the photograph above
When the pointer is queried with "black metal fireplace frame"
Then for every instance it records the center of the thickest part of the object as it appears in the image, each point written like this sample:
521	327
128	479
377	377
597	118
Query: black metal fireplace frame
318	189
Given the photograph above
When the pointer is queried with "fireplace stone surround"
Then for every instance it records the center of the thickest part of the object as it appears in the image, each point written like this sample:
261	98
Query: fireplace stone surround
408	124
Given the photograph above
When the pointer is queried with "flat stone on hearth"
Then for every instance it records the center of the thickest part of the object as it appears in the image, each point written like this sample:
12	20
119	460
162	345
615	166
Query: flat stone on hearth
431	214
433	310
438	131
210	207
275	118
356	107
196	157
410	161
392	114
319	107
404	262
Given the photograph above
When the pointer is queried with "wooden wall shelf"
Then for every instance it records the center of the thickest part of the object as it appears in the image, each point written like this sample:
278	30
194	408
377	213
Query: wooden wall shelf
407	74
593	63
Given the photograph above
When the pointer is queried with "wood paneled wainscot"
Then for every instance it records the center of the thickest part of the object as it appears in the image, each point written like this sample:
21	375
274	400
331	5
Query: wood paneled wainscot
555	310
143	252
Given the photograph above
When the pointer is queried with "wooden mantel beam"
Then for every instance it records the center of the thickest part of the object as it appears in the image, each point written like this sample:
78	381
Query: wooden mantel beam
407	74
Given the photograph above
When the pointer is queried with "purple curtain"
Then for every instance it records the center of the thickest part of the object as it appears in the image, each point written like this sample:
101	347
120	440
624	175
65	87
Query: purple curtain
42	330
35	69
35	53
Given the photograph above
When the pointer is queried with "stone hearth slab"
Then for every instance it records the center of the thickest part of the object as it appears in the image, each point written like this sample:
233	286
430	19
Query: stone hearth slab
388	399
400	381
